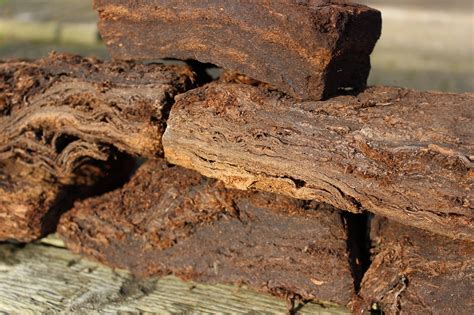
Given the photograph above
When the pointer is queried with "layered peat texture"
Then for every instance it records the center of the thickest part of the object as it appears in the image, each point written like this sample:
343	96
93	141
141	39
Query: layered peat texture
417	272
309	49
32	199
169	219
403	154
67	121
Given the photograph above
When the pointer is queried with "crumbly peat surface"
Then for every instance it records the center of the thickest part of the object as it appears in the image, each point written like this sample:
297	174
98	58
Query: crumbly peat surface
399	153
68	122
417	272
308	49
168	219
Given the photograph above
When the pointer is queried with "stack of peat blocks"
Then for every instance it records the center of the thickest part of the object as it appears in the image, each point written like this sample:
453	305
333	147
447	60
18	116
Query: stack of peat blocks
286	173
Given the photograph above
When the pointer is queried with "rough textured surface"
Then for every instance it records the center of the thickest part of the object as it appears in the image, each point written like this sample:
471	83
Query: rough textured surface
308	49
417	272
404	154
31	199
53	280
173	220
73	103
64	121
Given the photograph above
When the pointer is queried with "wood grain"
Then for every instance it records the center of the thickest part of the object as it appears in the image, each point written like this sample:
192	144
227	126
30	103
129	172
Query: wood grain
403	154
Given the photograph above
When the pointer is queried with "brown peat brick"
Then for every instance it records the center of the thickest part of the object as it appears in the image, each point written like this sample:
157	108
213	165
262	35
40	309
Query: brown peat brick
32	199
417	272
403	154
309	49
64	120
168	219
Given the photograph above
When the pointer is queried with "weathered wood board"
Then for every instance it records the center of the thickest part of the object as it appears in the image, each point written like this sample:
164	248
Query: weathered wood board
403	154
44	278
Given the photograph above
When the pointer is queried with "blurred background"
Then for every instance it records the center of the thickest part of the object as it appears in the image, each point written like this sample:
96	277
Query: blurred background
425	44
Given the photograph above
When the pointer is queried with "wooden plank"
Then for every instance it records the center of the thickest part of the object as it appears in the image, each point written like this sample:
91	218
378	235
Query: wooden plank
177	221
399	153
41	279
308	49
64	121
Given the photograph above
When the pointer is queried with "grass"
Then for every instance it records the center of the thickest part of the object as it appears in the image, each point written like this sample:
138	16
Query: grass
30	50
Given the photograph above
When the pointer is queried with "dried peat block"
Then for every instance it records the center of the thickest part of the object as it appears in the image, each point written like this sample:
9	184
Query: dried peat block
32	199
63	122
173	220
403	154
417	272
308	49
72	104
